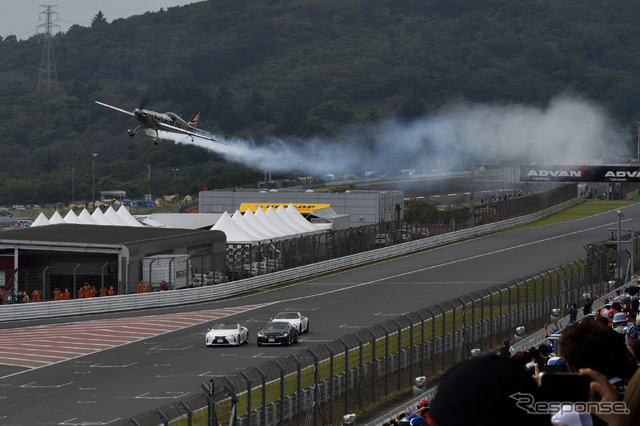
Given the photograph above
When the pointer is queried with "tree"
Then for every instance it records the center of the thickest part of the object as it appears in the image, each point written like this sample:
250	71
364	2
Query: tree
99	19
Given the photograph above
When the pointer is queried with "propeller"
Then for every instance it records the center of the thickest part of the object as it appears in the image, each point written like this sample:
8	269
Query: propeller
143	101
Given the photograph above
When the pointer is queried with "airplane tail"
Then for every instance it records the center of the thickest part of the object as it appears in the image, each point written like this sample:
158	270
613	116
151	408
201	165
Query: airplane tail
193	121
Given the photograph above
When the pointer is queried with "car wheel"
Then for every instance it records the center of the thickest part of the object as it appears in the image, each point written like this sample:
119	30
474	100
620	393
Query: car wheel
306	330
246	339
288	342
259	344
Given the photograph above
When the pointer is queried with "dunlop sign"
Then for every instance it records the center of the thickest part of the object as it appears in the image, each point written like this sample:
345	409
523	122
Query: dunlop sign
303	208
579	174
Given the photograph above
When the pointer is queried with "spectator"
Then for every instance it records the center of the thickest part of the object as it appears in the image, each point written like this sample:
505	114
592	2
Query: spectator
586	310
66	295
608	394
573	313
141	287
585	344
505	351
634	349
619	321
112	292
484	386
57	294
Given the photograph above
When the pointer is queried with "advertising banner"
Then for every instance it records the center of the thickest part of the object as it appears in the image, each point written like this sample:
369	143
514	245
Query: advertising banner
541	173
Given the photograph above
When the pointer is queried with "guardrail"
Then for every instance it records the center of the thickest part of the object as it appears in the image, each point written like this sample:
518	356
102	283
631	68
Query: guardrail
158	299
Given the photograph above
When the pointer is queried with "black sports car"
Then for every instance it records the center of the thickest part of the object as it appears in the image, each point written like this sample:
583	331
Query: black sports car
277	333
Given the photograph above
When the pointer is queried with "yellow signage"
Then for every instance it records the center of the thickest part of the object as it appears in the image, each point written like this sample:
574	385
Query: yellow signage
303	208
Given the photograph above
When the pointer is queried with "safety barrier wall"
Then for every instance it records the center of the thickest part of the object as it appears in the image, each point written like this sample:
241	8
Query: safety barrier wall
215	292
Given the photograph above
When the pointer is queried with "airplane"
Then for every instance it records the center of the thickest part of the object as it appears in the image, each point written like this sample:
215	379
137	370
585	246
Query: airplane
153	121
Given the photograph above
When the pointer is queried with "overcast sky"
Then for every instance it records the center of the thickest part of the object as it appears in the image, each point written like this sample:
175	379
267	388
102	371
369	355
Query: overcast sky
21	17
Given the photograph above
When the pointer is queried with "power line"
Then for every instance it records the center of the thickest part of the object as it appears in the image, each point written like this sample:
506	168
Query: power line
48	76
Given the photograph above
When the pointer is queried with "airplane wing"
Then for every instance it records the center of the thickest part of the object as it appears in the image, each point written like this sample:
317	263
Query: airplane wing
116	108
170	128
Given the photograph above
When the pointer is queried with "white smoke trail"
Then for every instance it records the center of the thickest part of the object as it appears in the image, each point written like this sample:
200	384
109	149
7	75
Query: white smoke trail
570	130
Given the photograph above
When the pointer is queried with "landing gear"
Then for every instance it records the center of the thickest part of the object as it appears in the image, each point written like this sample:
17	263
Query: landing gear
132	132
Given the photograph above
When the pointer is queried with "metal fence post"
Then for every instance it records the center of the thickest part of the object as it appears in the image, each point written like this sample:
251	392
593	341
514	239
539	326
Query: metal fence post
316	379
399	327
44	282
299	398
248	380
281	368
263	378
386	360
208	393
373	365
422	343
331	381
444	367
346	375
433	341
411	376
360	369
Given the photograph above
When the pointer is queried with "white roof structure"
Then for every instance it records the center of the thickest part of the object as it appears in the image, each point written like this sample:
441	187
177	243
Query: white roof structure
41	220
71	217
113	217
295	215
251	218
123	213
247	226
289	227
268	224
86	218
240	228
56	218
98	216
235	234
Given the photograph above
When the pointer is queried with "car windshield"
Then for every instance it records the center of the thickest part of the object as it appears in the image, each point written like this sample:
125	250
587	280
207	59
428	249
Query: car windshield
287	315
223	326
276	326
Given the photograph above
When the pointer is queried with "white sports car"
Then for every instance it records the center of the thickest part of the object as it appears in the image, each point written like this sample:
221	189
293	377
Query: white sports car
227	333
296	319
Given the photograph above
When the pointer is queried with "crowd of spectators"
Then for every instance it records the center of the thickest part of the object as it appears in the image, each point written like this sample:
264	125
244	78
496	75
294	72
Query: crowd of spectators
593	362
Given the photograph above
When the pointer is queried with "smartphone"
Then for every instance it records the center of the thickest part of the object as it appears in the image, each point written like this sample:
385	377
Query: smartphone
564	387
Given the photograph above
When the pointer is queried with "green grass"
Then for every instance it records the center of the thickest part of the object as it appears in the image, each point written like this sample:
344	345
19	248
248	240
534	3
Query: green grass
584	209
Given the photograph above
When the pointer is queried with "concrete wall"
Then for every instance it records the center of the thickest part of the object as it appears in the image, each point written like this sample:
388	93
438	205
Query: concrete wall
363	207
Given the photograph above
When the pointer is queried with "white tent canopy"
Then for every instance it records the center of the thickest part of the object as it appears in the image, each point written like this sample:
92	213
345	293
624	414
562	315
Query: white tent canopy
86	218
295	215
56	218
288	226
251	218
268	224
98	216
241	228
235	234
113	217
123	213
71	217
244	224
41	220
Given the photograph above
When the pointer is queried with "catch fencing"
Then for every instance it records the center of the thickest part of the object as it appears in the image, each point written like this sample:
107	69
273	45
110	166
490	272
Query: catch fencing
356	372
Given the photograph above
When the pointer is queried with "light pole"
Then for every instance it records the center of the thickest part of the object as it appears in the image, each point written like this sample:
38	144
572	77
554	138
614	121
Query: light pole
618	245
73	185
93	178
175	176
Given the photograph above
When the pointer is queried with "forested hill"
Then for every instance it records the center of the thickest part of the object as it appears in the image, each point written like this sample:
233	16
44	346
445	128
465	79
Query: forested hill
290	68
